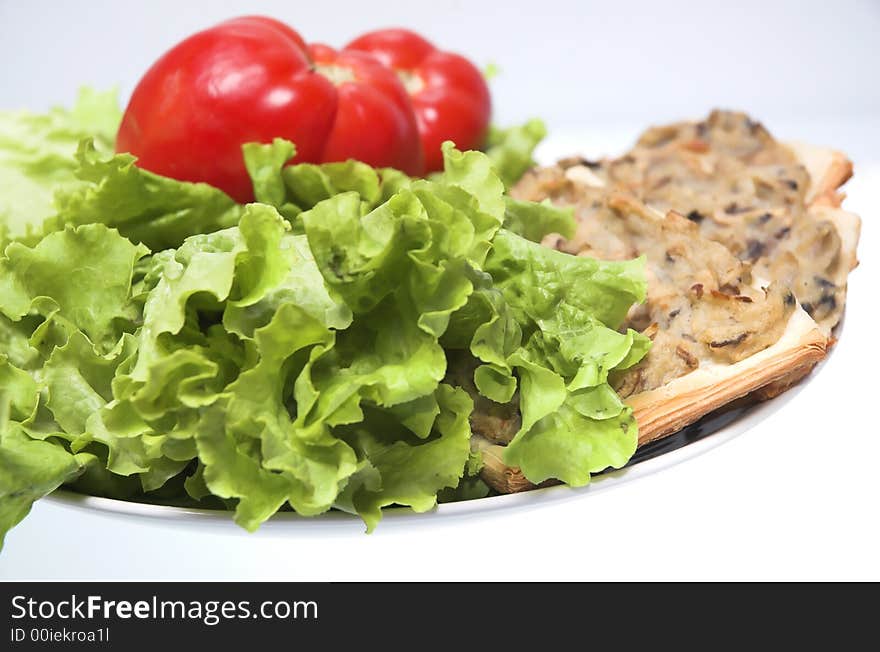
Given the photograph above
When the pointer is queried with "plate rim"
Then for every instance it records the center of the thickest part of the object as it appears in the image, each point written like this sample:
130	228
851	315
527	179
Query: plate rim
338	520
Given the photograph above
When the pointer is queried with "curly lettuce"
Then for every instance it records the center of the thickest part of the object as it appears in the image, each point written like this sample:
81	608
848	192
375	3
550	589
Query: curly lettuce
36	157
160	342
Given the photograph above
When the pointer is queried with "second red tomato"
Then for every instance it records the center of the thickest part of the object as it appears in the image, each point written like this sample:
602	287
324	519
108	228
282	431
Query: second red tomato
449	94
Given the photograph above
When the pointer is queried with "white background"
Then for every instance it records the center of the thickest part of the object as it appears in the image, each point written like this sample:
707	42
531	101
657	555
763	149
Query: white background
794	498
572	62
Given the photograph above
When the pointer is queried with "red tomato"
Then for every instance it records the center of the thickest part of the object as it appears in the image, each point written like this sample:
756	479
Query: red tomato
449	94
252	79
374	119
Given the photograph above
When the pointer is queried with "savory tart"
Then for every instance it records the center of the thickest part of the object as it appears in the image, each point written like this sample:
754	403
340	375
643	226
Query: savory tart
747	255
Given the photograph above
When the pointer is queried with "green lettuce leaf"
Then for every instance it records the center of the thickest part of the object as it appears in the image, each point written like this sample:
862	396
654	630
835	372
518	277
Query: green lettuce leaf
411	471
144	207
15	342
573	423
265	164
30	469
511	149
79	380
568	446
470	487
80	277
603	289
252	449
534	221
292	189
37	157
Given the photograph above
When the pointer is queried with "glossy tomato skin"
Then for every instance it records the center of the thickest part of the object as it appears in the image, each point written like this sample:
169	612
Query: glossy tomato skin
252	79
238	82
374	121
275	24
449	94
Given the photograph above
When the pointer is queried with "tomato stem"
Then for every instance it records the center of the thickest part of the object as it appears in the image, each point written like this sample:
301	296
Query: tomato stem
412	82
337	74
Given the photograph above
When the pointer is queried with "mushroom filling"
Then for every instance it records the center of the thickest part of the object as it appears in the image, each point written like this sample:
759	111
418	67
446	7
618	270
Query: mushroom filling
701	305
744	189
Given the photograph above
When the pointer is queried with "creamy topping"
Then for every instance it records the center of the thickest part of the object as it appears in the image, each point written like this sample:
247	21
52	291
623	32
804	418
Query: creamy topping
743	189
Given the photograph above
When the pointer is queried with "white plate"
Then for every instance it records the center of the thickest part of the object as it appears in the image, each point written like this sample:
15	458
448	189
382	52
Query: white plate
787	500
293	523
